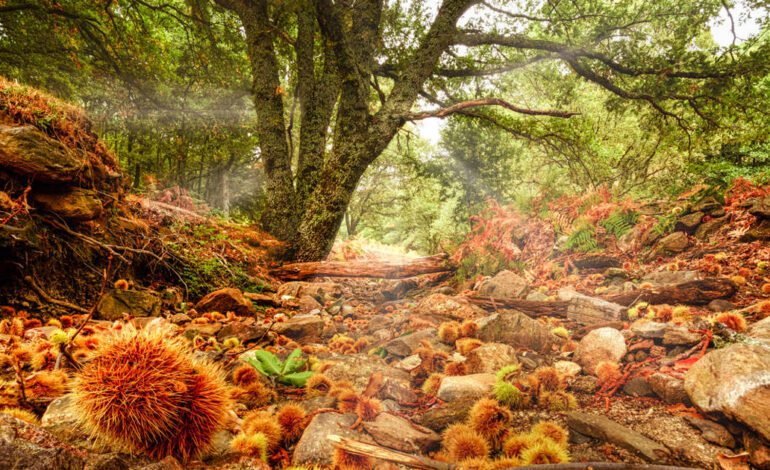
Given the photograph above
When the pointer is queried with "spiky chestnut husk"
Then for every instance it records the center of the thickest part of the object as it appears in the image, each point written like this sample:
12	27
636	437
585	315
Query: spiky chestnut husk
231	342
24	415
558	401
449	332
53	322
466	345
510	395
66	321
508	372
143	390
607	371
46	384
455	368
551	430
560	331
505	463
466	444
453	430
490	419
733	320
432	384
121	284
738	280
550	379
291	417
347	401
544	452
253	395
468	329
245	375
318	385
368	408
765	288
344	460
515	445
254	445
42	360
32	323
59	337
265	423
478	463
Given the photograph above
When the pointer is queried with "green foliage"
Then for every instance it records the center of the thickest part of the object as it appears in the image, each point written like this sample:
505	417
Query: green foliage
620	222
288	372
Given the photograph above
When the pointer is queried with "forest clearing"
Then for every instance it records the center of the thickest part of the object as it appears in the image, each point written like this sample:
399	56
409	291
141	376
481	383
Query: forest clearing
367	234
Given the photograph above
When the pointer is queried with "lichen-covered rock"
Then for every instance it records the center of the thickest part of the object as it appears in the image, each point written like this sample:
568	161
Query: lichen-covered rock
505	284
458	386
601	344
74	203
226	300
517	330
315	448
734	381
26	446
398	433
116	302
670	245
489	358
28	152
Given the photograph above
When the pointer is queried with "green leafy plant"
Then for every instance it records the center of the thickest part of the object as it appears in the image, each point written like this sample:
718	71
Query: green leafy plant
582	239
287	372
620	222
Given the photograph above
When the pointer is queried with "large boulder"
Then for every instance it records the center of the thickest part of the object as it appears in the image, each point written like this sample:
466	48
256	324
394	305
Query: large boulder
26	446
671	245
518	330
688	223
761	331
74	203
304	328
28	152
761	208
315	447
601	344
735	382
226	300
505	284
116	302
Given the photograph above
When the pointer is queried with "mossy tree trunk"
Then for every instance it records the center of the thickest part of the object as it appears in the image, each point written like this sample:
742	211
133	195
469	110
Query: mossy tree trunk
334	58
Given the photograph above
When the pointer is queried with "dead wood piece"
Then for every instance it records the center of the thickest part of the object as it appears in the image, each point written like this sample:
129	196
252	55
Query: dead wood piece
363	268
698	292
390	455
555	308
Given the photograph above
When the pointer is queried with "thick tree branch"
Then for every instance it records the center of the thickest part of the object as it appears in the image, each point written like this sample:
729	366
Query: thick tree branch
447	111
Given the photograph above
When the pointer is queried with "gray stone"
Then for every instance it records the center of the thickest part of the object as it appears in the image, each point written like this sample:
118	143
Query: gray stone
518	330
602	428
669	389
116	302
649	329
760	330
680	335
242	330
457	386
688	223
439	308
505	285
358	368
734	381
638	387
588	310
73	203
26	446
405	345
314	447
666	277
399	433
304	328
713	432
721	305
761	208
489	358
226	300
601	344
445	414
671	244
759	232
709	227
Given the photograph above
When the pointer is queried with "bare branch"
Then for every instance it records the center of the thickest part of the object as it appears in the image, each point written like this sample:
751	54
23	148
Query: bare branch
455	108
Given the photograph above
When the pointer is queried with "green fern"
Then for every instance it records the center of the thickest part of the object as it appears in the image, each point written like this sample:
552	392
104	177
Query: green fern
620	222
582	239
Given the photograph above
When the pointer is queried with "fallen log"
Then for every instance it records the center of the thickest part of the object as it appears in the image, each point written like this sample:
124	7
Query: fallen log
536	308
699	292
364	268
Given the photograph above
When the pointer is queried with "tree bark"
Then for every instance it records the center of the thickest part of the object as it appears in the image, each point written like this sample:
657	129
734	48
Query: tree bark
363	268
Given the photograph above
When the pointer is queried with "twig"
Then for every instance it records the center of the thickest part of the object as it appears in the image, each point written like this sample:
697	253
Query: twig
43	295
21	206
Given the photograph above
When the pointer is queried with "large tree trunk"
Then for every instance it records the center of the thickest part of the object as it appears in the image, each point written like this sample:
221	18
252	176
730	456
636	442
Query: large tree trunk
363	268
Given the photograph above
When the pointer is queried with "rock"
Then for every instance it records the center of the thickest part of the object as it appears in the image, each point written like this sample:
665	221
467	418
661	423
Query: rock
517	330
28	152
734	381
602	428
649	329
713	432
168	463
588	310
321	291
398	289
597	262
26	446
707	228
308	303
111	461
357	368
59	413
440	308
409	363
638	387
688	223
398	391
668	388
680	335
304	328
179	318
761	208
456	386
665	277
760	330
760	232
707	205
504	285
204	330
379	322
537	296
74	203
116	302
568	368
759	452
399	433
244	331
489	358
315	448
671	244
226	300
721	305
601	344
439	417
405	345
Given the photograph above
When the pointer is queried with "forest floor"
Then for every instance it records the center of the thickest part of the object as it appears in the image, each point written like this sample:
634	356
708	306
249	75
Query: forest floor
139	333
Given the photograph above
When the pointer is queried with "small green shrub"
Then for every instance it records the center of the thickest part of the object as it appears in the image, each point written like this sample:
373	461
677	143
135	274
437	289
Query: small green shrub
288	372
